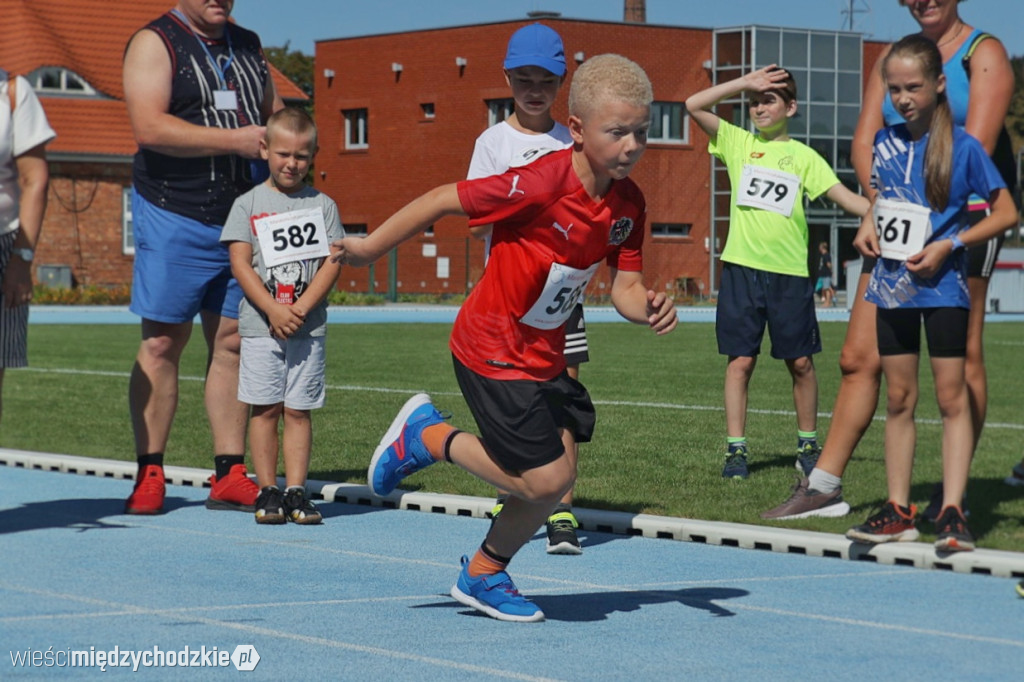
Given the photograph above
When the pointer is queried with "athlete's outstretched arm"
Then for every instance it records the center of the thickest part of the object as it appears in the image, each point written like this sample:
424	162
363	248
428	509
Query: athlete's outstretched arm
413	218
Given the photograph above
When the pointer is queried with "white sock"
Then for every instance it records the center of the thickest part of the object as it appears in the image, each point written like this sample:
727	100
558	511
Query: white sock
822	481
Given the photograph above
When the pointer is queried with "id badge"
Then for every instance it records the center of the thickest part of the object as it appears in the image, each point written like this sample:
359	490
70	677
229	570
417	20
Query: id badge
225	100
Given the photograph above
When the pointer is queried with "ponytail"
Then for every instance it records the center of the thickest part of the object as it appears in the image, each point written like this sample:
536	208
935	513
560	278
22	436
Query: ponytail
938	157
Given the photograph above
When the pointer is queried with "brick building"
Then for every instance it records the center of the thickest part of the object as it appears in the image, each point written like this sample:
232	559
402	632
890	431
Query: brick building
70	51
399	113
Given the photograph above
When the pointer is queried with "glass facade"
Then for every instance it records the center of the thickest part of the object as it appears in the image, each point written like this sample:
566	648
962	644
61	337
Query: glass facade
827	67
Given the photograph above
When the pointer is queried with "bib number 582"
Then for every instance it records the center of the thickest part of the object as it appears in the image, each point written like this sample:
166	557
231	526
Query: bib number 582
294	236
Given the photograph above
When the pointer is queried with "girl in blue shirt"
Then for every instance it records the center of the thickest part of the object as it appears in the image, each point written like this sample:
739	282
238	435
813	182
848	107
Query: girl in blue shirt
924	171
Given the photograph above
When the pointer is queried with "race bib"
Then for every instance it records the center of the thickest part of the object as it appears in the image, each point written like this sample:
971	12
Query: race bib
563	290
902	228
292	236
768	189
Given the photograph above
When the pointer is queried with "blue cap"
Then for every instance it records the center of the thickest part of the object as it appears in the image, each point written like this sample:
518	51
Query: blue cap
536	45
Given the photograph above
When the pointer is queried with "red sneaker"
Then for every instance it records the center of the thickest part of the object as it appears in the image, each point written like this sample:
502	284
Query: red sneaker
234	492
148	495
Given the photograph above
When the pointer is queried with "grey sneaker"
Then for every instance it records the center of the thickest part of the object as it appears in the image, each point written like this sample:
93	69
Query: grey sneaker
736	464
806	502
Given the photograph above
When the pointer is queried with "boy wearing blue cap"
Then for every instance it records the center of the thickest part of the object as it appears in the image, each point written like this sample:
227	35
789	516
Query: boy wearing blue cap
534	69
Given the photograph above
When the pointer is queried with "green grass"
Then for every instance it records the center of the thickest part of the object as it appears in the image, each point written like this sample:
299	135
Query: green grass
657	448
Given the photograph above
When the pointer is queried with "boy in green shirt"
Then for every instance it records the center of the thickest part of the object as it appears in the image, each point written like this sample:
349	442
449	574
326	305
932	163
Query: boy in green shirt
765	281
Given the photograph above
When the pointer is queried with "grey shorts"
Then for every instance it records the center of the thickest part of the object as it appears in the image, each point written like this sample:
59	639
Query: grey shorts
13	321
290	371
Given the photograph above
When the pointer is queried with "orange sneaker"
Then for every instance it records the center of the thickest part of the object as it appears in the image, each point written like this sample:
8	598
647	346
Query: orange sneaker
148	495
234	492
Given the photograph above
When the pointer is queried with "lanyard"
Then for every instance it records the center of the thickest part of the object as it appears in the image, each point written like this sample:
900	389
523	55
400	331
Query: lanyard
220	72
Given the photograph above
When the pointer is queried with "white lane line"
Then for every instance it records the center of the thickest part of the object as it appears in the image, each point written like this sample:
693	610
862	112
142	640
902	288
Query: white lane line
610	403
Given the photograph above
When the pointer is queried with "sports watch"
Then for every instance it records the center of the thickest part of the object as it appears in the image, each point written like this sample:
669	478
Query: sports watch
24	254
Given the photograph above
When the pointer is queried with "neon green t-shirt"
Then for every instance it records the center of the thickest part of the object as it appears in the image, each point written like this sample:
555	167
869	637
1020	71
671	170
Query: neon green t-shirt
767	226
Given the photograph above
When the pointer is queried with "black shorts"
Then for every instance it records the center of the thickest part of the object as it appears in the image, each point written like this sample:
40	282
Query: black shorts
749	300
576	350
981	259
520	420
899	331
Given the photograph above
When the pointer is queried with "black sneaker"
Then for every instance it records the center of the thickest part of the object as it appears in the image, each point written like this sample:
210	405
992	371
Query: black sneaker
736	463
562	534
807	457
300	508
890	524
953	534
931	512
270	506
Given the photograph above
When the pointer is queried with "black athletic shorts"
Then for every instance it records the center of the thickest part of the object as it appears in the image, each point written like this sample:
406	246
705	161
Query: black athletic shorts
899	331
520	420
750	299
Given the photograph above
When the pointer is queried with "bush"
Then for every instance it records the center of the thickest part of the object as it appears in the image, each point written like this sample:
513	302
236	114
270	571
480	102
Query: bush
82	295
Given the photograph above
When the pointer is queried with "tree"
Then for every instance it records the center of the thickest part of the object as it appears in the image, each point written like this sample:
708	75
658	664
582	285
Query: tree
294	64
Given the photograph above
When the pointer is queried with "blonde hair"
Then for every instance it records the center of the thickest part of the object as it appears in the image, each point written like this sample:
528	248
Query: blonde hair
938	156
608	76
294	120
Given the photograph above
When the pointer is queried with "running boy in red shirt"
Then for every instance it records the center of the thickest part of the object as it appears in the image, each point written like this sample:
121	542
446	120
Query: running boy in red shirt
554	222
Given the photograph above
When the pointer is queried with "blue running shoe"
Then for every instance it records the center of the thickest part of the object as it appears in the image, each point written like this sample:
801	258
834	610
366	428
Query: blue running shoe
401	451
496	595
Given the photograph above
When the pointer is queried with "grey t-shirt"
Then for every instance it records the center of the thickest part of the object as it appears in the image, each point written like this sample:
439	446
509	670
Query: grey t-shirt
289	280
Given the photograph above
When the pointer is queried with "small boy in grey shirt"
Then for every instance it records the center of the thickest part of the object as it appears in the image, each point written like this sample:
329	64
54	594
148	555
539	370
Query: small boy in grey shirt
279	235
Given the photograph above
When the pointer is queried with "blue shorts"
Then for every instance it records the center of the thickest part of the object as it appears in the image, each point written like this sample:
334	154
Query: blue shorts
181	267
750	299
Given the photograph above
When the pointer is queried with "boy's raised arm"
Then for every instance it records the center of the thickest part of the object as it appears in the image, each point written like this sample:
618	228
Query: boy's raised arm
699	104
413	218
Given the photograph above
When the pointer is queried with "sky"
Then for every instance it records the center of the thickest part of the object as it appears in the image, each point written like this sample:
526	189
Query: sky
302	22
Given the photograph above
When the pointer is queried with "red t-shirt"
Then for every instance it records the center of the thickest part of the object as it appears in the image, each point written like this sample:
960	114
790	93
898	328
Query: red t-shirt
549	238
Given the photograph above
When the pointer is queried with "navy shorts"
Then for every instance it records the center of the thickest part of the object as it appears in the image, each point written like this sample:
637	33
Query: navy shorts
181	267
520	420
576	349
899	331
981	259
749	300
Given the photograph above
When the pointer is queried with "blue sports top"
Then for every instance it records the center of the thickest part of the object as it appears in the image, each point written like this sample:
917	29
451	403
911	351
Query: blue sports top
897	173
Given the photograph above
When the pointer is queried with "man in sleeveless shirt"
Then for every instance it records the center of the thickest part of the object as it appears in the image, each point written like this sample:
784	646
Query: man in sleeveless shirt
198	90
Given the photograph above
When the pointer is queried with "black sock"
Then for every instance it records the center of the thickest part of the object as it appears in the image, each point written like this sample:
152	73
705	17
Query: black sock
222	464
494	555
156	458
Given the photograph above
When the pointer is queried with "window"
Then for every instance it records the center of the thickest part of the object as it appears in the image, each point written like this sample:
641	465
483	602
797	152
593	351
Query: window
127	237
52	79
669	123
499	109
355	229
355	129
428	109
675	230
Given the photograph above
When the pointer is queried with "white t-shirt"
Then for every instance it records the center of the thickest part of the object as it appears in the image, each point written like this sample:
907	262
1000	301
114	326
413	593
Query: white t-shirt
501	147
25	130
